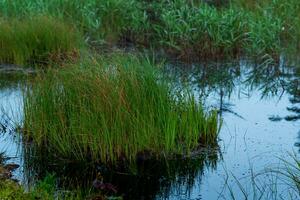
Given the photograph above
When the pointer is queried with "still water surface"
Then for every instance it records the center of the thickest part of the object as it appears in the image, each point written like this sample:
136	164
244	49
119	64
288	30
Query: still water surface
259	105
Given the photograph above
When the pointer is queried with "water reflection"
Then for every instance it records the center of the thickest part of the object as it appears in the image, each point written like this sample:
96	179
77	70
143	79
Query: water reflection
294	90
217	82
148	179
260	99
248	94
10	116
161	179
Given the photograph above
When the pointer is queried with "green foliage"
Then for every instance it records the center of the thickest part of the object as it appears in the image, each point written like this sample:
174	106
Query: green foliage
181	27
114	108
100	19
202	30
40	40
264	36
270	12
10	190
44	189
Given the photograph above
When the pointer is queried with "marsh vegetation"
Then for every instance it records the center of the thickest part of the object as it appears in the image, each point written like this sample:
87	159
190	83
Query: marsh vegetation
114	108
37	41
106	112
186	29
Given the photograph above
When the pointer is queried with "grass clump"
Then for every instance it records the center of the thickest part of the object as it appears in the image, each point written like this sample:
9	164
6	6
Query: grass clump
40	40
111	109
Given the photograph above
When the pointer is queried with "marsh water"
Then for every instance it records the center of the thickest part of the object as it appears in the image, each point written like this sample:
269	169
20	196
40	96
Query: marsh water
260	108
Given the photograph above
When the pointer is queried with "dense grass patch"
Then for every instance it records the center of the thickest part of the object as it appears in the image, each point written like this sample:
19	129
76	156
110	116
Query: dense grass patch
39	40
201	30
112	109
182	27
100	20
280	18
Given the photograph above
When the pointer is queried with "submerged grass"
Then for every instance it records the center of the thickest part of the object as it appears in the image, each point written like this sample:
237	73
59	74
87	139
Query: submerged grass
114	108
39	40
275	182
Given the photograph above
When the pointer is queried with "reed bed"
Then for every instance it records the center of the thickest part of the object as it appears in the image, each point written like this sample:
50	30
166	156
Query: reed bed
185	28
39	40
202	31
284	13
102	21
114	109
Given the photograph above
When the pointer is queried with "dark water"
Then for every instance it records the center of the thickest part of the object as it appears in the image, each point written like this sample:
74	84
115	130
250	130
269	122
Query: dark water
260	107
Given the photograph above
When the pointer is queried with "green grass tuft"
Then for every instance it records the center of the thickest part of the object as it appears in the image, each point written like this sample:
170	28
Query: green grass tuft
114	108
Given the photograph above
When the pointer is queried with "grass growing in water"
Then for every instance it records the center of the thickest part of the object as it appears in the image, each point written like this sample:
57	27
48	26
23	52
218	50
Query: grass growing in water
114	108
280	181
40	40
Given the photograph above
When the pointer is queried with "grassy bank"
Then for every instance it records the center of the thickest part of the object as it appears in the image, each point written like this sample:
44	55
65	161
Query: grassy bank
37	41
114	108
187	29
